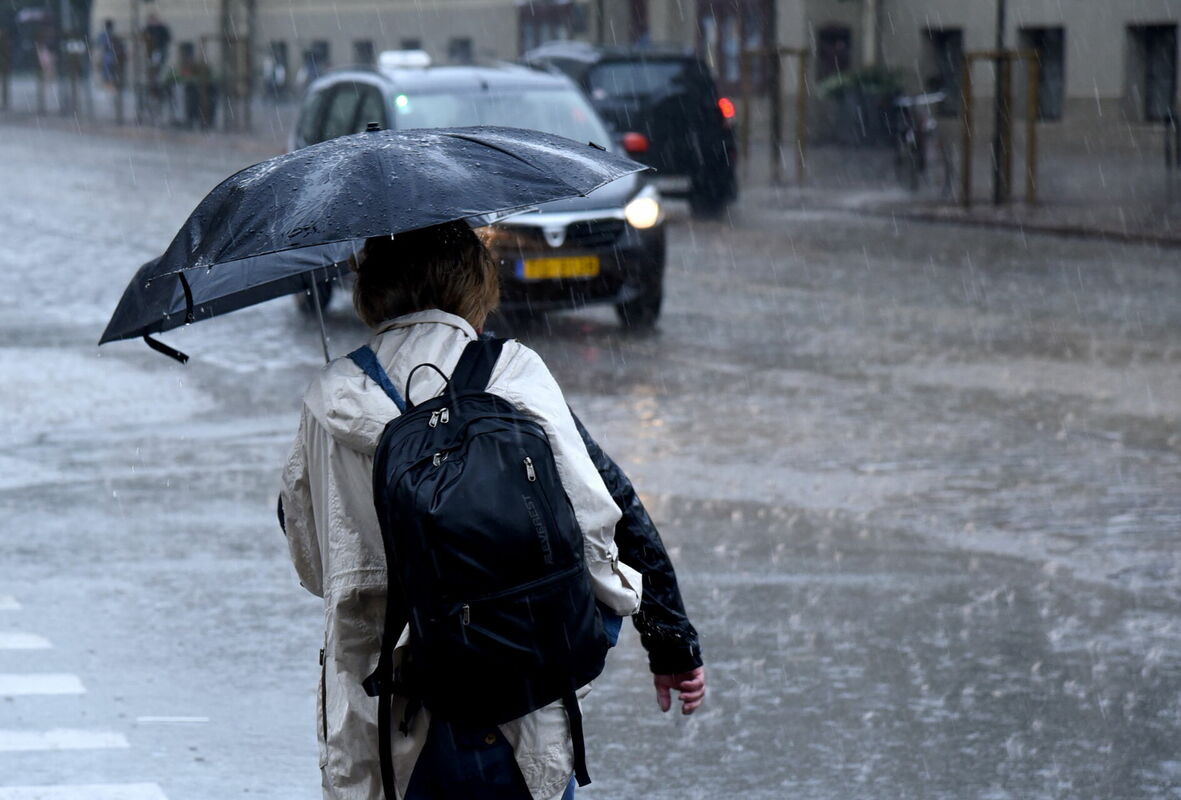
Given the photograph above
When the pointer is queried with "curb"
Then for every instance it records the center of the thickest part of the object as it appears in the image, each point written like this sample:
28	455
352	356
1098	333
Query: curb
254	143
1159	239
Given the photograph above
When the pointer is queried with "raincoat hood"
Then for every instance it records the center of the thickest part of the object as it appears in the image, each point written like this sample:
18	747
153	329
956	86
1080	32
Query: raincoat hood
351	407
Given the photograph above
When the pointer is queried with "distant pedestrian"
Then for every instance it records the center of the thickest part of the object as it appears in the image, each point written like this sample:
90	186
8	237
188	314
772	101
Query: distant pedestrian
109	55
157	38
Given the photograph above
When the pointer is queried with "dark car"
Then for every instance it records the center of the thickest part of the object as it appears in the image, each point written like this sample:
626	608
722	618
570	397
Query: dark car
607	247
670	100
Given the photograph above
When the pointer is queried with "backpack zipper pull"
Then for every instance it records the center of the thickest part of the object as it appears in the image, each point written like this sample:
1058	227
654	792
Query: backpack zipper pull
445	416
466	614
530	473
438	459
434	419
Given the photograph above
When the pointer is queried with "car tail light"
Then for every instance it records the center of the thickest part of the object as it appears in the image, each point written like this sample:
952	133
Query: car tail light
635	143
726	106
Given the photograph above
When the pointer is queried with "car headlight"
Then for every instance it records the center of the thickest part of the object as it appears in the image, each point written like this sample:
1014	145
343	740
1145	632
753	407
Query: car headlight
644	210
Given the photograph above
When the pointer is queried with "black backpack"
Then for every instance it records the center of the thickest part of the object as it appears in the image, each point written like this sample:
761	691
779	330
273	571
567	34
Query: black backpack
485	560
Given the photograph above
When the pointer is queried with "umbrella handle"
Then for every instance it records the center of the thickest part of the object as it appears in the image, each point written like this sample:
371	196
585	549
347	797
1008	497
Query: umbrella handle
160	347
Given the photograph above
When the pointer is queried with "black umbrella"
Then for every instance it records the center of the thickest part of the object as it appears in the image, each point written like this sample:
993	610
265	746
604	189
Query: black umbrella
286	224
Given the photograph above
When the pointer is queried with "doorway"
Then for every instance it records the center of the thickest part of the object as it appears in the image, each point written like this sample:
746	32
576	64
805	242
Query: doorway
1152	70
944	62
1049	44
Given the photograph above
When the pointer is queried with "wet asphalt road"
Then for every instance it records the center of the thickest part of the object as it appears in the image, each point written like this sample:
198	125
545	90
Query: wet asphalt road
921	485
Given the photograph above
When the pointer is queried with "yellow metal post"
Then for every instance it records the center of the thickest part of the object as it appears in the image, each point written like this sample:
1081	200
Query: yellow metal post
1033	110
1004	192
966	132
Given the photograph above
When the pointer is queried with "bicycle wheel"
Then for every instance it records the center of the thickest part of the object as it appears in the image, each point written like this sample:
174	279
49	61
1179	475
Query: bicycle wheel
942	172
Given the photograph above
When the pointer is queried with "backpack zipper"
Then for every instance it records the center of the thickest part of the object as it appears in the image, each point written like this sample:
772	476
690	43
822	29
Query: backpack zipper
524	587
530	473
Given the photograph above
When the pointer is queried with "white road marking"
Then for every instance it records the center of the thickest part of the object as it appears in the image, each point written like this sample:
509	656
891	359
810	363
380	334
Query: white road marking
59	739
171	720
8	603
12	685
104	791
23	641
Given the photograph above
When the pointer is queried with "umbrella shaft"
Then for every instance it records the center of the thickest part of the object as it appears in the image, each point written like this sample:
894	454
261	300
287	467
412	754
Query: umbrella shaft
319	317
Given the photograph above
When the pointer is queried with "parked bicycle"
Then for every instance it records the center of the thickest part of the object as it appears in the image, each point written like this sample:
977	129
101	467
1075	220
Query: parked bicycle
920	151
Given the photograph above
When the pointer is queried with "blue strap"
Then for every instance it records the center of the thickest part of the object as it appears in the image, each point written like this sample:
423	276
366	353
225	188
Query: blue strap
366	359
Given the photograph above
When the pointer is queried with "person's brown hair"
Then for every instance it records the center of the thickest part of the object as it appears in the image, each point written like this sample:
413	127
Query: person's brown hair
445	267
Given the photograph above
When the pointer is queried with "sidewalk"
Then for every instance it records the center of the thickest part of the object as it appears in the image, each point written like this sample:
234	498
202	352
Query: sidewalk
1109	181
96	112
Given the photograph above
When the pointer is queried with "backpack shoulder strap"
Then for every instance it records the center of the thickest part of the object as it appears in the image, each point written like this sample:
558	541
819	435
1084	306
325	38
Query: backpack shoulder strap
366	359
475	365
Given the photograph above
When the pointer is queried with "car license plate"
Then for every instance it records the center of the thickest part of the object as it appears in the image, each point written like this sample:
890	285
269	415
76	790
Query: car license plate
534	269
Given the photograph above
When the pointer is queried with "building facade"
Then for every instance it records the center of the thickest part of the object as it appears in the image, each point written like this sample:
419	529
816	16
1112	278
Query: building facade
1097	57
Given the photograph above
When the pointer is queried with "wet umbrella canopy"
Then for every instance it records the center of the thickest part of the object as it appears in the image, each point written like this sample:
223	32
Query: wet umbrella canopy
280	226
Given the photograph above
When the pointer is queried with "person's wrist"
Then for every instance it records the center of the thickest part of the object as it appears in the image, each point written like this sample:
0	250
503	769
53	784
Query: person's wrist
674	660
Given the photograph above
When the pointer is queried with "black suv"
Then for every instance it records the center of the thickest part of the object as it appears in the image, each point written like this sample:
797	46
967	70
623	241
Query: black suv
667	110
606	247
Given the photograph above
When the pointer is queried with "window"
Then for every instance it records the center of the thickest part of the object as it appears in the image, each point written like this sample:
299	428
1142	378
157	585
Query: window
638	22
364	54
1152	82
316	60
943	63
564	112
370	109
412	44
1051	84
342	109
834	51
309	119
540	23
459	50
726	29
634	79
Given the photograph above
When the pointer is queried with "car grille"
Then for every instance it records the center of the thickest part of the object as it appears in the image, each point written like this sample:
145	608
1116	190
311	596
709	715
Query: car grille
582	235
593	233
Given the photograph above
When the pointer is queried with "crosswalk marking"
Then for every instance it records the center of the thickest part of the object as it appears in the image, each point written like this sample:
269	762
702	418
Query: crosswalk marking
59	739
15	640
8	603
12	685
100	791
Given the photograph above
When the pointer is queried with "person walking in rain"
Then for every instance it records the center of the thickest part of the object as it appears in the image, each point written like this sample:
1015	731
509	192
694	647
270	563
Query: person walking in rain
426	294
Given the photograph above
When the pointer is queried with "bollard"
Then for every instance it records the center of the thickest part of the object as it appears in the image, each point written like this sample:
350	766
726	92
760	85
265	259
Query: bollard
801	113
966	132
1003	149
1032	112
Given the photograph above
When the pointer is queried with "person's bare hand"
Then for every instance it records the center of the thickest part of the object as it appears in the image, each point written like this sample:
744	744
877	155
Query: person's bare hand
690	686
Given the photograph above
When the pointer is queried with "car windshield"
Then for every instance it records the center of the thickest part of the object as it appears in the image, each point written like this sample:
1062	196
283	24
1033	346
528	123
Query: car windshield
558	111
635	78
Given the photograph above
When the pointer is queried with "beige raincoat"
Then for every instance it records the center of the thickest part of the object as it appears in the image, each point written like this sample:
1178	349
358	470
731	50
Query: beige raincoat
336	546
